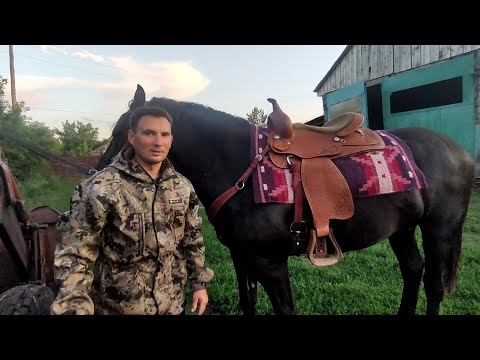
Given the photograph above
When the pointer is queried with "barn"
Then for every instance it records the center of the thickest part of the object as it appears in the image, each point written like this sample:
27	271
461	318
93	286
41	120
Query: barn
431	86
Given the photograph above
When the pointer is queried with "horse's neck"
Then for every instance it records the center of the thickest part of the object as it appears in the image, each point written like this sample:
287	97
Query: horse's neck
212	158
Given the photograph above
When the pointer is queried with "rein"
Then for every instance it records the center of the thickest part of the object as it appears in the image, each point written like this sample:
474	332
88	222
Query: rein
239	185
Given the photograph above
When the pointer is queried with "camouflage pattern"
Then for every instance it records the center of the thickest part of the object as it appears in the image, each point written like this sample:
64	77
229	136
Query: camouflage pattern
130	245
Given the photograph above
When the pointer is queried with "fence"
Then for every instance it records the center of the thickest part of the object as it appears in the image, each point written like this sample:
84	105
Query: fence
64	171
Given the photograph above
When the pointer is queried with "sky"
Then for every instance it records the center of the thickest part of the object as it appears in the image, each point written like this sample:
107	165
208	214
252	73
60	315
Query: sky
94	83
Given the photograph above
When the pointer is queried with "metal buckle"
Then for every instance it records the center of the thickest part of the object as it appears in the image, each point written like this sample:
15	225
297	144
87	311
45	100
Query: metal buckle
288	160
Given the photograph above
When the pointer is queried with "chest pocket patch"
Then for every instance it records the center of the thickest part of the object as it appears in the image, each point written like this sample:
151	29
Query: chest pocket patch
175	201
134	225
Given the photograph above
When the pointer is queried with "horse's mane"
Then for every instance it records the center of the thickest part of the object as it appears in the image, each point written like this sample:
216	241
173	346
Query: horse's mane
176	108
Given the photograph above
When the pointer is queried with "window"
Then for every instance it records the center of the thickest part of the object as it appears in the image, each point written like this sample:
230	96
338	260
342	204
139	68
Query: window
350	105
440	93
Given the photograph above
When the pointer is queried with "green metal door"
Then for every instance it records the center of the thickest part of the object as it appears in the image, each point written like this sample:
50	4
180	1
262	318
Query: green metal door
454	118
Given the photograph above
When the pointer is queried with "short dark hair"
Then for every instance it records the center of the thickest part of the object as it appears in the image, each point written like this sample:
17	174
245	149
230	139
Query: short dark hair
141	111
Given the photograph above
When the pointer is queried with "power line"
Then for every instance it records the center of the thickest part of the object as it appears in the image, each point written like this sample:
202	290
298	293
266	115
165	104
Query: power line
86	60
54	63
107	122
71	111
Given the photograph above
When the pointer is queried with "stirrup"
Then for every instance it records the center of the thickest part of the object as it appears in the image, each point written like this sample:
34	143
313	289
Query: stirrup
321	258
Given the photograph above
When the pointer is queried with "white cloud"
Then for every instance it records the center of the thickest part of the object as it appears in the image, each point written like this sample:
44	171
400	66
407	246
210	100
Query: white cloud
86	55
47	48
35	83
36	91
82	54
178	80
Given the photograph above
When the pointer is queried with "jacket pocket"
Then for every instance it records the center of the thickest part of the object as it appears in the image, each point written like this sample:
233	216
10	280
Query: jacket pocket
124	291
134	232
178	221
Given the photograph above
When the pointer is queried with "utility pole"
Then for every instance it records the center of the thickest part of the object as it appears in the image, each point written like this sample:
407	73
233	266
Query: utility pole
12	77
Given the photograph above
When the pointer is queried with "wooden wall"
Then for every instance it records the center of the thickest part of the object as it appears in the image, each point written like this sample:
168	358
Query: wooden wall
369	62
64	171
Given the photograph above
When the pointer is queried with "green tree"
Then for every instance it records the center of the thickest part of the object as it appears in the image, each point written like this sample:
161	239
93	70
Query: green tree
77	138
21	161
257	116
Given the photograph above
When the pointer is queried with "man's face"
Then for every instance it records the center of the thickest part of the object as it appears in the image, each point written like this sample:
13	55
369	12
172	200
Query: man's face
152	139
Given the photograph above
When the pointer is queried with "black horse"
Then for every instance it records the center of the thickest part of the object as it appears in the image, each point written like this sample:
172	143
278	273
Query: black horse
211	148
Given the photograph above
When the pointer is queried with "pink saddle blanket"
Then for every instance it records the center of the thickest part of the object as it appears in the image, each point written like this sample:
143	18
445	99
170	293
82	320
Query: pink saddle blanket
367	174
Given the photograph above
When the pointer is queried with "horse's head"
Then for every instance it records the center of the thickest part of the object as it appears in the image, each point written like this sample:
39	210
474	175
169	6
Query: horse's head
120	131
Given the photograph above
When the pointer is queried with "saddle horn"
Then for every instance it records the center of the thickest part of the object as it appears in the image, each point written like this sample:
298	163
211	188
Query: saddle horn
279	122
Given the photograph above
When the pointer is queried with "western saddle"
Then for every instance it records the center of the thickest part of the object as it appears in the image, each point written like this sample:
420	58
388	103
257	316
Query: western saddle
308	152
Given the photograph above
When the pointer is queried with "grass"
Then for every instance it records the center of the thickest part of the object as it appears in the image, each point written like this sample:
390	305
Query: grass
365	282
45	189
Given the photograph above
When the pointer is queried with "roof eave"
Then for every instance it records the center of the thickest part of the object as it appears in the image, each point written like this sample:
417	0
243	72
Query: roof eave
342	55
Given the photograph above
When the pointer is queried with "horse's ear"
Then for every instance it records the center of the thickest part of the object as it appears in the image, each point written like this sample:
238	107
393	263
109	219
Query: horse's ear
138	99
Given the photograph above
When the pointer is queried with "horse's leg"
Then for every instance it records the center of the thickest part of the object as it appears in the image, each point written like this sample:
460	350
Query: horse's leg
273	275
442	244
247	283
411	263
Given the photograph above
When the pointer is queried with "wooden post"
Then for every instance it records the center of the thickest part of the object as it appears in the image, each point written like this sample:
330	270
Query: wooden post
12	77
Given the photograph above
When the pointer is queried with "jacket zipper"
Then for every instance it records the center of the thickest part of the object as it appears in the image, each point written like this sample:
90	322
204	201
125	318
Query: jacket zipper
153	212
142	239
157	185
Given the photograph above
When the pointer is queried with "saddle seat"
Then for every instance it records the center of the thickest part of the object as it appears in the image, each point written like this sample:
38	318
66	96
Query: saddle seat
341	125
308	152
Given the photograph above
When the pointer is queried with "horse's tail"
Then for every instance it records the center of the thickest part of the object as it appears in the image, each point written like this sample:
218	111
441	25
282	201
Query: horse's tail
451	267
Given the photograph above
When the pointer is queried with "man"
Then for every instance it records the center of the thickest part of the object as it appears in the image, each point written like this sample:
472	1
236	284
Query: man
133	240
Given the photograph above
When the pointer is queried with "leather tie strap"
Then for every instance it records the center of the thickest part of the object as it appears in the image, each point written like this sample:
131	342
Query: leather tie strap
239	185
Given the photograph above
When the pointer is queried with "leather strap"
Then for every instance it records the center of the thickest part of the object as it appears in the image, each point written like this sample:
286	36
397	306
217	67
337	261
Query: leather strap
295	166
239	185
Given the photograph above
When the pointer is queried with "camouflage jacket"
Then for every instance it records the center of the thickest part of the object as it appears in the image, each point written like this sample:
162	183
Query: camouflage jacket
130	243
